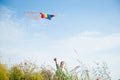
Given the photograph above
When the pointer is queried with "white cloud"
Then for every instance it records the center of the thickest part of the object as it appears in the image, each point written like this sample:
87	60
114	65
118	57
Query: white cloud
91	44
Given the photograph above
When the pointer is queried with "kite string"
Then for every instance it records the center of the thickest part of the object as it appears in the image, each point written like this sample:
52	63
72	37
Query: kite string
32	12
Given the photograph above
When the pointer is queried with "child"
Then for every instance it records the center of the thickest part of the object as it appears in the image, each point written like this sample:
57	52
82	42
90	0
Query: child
62	65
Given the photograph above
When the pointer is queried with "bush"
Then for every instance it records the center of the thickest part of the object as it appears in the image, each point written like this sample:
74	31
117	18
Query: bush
3	72
46	73
16	73
37	76
30	71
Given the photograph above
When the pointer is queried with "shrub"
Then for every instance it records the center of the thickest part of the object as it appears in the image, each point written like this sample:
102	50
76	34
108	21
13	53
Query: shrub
16	73
37	76
46	73
30	71
3	72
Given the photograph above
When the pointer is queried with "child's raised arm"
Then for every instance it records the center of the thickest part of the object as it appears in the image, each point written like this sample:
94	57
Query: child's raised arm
57	66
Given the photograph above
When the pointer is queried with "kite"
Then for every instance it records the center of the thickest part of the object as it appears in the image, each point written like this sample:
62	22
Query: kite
34	15
47	16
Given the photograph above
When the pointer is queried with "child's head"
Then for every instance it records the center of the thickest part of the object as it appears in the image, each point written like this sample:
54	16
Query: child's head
62	64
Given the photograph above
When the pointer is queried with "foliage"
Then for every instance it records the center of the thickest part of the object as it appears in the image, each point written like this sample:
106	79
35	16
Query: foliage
101	72
29	71
36	76
16	73
3	72
46	73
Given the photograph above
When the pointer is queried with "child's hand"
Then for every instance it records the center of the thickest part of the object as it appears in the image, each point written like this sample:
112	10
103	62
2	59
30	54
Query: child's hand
55	59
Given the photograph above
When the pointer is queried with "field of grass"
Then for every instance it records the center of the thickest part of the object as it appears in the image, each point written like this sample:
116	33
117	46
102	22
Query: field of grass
30	71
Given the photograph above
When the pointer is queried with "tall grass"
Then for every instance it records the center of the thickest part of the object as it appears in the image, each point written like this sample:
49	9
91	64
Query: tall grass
30	71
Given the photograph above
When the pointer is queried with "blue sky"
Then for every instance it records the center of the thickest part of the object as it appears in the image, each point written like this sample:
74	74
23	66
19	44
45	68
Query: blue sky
72	16
92	27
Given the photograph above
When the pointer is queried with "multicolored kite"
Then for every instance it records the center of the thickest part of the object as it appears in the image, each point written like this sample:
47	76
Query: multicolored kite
47	16
35	15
